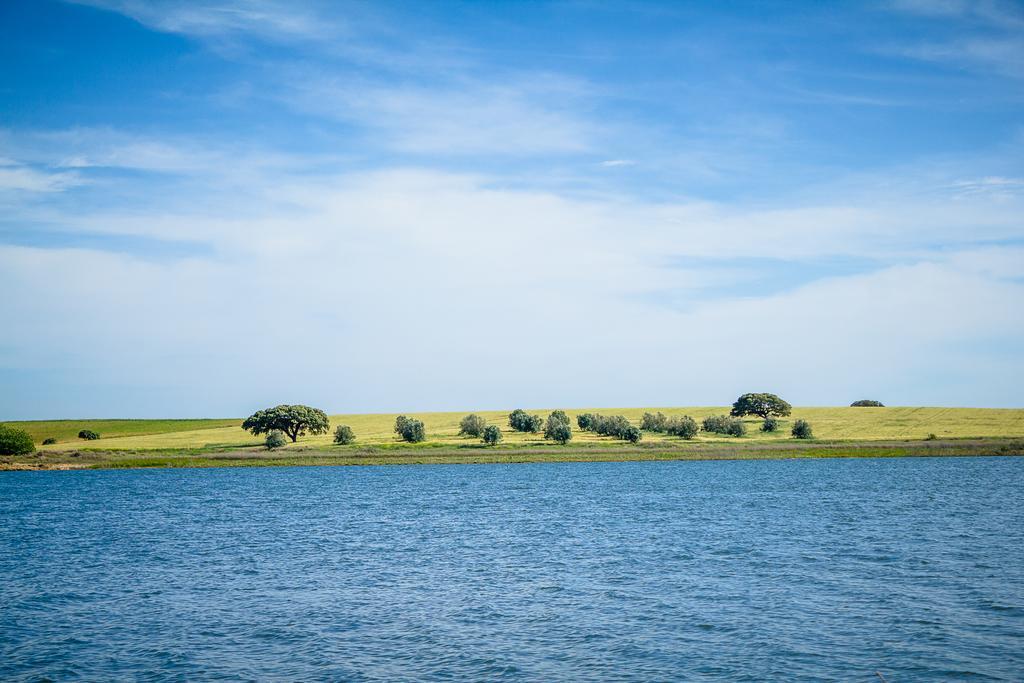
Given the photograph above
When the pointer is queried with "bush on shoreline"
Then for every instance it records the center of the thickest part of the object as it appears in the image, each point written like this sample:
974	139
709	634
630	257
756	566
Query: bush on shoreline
472	425
275	439
15	441
343	435
615	425
654	422
685	427
521	421
557	428
724	424
492	435
802	430
410	429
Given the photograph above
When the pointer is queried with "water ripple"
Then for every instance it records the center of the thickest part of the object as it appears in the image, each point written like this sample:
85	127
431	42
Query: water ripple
738	571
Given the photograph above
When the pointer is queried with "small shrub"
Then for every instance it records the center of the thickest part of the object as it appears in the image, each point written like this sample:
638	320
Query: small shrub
930	437
15	441
472	425
88	435
413	430
865	403
770	424
275	439
521	421
344	435
631	434
49	441
723	424
558	431
685	426
736	428
802	429
492	435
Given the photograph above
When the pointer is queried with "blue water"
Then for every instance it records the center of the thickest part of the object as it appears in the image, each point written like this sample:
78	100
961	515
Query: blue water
777	570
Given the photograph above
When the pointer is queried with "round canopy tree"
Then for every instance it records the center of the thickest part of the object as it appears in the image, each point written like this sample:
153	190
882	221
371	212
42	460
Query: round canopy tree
762	405
294	421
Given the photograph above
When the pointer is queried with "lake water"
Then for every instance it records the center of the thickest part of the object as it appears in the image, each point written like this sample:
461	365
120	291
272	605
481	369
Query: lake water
743	570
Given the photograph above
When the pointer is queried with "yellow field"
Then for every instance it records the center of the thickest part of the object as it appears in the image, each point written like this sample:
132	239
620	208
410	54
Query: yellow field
442	428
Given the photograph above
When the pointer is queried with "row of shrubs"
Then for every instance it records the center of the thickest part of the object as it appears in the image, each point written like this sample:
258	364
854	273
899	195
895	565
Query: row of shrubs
686	427
614	425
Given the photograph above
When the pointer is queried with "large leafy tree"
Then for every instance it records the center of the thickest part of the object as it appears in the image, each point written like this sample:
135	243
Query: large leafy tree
294	421
762	405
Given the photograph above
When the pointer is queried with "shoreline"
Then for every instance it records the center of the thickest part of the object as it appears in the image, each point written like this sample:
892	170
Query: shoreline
412	455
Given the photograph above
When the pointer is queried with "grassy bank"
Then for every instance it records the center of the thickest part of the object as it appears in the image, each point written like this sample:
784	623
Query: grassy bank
440	454
859	424
840	432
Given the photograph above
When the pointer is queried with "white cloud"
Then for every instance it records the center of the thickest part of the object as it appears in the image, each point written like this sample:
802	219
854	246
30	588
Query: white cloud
27	179
456	117
382	286
265	18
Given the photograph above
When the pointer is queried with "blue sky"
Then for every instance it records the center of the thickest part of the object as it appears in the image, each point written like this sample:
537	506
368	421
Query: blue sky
212	207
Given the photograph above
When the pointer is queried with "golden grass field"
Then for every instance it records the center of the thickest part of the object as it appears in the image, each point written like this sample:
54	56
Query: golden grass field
834	424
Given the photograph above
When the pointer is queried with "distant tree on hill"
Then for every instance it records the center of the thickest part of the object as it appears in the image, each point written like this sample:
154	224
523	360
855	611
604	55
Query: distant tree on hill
685	426
559	416
653	422
344	435
15	441
614	425
492	435
294	421
867	403
557	427
88	435
762	405
585	421
724	424
521	421
631	434
472	425
802	429
412	430
400	424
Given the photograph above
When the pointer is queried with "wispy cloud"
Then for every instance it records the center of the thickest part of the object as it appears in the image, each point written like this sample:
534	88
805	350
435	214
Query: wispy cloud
988	34
20	177
268	19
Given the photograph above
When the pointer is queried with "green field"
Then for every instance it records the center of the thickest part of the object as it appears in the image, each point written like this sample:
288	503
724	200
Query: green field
223	441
